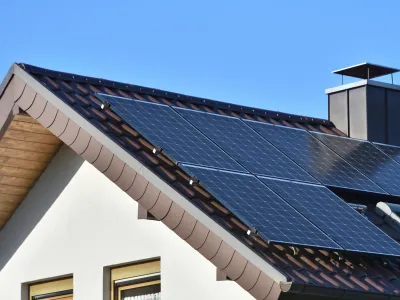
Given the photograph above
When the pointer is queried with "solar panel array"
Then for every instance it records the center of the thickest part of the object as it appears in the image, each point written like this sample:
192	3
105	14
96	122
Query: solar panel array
246	146
392	151
368	159
316	158
165	128
335	217
240	161
259	207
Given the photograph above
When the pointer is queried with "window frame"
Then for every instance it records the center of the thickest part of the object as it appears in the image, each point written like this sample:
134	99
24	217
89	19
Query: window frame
51	289
134	275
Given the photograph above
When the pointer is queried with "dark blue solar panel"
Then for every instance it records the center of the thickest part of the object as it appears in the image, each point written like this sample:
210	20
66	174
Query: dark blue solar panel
245	145
316	158
335	217
368	159
259	207
165	128
392	151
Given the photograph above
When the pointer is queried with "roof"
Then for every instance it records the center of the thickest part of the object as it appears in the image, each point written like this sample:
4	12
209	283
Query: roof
366	71
67	106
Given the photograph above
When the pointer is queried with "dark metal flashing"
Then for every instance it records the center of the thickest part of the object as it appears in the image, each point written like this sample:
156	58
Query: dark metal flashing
7	109
6	80
239	109
310	290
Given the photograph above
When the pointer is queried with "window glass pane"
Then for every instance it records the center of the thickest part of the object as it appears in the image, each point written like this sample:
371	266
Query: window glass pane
151	292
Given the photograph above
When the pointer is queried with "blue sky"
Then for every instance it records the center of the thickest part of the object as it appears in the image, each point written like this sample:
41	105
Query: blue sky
275	55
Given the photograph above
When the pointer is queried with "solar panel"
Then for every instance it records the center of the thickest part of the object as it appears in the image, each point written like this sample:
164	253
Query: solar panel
392	151
165	128
259	207
335	217
368	159
245	145
316	158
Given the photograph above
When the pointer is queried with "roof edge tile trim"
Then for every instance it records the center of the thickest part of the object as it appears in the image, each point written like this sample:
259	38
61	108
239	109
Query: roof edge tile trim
7	110
216	105
143	186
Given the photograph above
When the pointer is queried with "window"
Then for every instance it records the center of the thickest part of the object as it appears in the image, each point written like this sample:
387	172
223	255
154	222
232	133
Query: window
52	290
136	282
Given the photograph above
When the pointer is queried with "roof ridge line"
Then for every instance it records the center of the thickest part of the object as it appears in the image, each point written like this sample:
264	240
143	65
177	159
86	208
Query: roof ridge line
240	109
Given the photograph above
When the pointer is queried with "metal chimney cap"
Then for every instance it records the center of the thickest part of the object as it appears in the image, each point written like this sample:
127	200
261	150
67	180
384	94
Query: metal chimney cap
366	71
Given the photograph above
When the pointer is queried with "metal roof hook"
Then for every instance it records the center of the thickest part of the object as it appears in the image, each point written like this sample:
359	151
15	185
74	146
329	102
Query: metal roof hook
252	231
194	181
105	105
384	262
295	250
157	150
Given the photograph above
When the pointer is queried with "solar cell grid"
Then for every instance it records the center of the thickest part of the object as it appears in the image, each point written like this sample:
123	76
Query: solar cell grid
368	159
390	150
164	127
256	205
245	145
315	157
335	217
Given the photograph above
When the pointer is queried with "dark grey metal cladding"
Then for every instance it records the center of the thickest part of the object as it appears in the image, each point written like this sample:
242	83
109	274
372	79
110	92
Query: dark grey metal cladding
368	159
334	217
393	117
258	206
245	145
376	114
338	111
316	158
371	112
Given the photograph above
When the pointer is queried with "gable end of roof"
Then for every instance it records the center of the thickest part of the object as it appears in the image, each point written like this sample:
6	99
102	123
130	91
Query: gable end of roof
206	236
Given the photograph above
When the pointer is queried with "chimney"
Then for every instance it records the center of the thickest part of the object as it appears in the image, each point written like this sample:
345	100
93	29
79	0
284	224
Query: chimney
366	109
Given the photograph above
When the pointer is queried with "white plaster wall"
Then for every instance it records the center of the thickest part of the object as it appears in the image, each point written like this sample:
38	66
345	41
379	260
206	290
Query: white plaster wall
93	224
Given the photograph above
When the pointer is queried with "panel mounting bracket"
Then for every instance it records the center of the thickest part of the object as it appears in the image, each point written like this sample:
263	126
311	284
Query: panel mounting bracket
157	149
105	105
194	181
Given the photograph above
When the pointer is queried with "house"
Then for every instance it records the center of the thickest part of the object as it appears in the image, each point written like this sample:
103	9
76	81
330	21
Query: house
230	202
